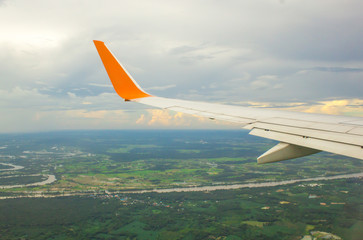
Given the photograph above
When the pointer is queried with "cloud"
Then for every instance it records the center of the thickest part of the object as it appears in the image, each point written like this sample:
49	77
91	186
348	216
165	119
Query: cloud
337	69
276	105
183	49
100	85
141	119
202	53
161	88
18	98
161	118
348	107
353	107
260	52
100	114
72	95
265	81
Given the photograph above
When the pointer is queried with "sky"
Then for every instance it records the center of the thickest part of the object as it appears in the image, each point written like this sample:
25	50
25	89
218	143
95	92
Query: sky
291	54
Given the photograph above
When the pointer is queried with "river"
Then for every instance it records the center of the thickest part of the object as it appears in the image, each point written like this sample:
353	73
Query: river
50	178
188	189
14	167
247	185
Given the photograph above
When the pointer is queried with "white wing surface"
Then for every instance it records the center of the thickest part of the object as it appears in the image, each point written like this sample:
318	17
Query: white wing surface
299	134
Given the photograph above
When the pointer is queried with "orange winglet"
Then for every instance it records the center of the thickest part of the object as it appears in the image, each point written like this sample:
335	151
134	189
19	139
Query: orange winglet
121	80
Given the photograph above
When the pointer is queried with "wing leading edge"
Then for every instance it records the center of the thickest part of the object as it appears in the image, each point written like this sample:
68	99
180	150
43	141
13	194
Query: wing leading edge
299	134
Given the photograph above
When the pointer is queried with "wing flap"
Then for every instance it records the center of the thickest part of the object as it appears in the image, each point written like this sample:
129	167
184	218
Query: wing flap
357	131
330	127
285	151
319	144
318	134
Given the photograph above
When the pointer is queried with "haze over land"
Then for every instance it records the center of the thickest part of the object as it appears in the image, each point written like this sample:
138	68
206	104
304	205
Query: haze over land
300	55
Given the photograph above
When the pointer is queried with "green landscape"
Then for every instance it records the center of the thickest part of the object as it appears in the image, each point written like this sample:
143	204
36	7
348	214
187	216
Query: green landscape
168	184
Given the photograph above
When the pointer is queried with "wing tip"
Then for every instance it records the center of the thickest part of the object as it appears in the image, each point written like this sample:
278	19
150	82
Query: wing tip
122	82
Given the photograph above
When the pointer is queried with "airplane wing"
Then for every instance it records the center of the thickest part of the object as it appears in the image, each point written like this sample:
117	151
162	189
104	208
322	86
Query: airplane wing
299	134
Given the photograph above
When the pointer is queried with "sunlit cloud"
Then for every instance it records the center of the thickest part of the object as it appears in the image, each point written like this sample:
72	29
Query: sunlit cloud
161	88
101	85
170	119
141	119
348	107
352	107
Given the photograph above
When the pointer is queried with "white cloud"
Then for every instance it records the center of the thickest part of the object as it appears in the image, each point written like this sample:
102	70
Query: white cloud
161	88
100	85
18	98
161	118
72	95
